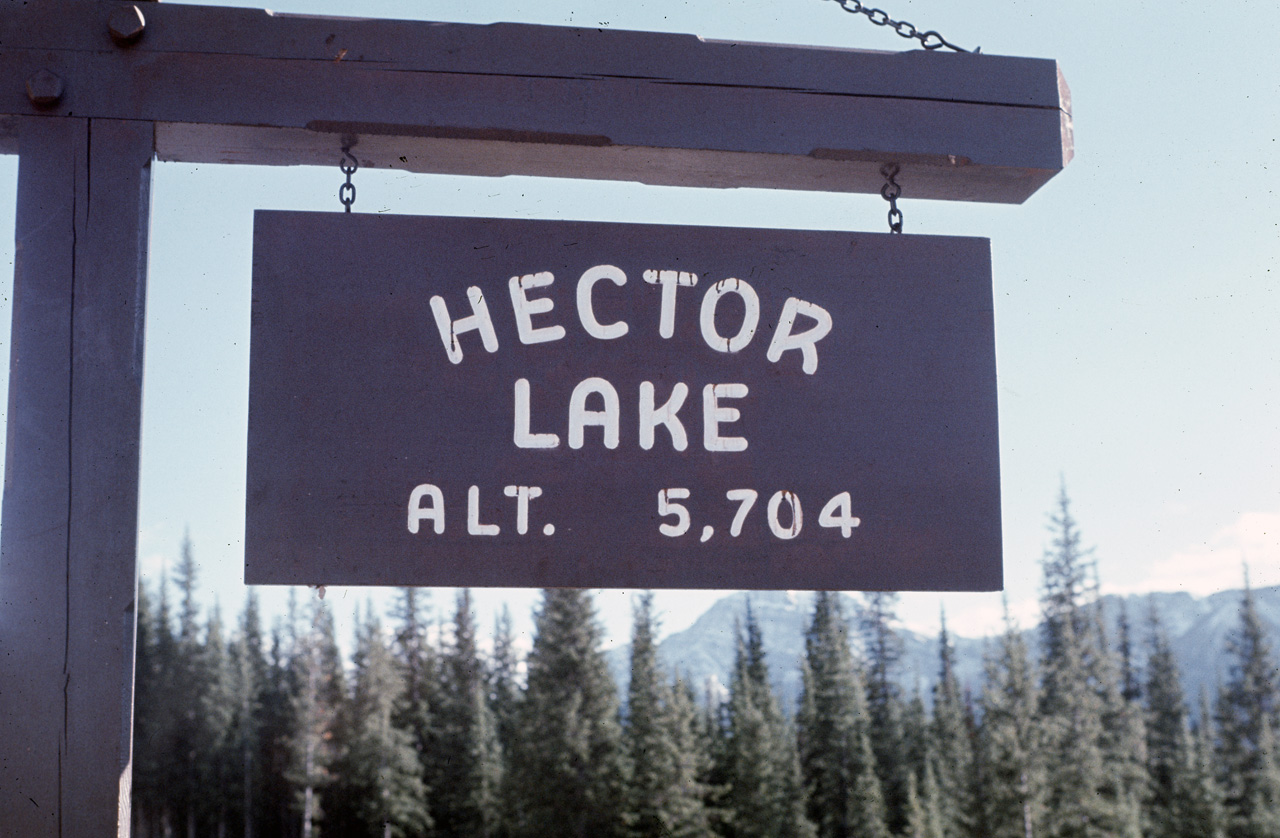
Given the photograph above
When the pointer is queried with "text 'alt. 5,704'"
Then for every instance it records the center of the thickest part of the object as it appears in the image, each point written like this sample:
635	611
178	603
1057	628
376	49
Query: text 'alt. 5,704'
784	513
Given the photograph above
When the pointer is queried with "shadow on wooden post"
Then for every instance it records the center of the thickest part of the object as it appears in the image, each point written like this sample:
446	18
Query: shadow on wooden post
68	574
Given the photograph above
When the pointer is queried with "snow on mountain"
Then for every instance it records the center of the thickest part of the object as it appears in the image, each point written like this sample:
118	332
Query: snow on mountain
1197	629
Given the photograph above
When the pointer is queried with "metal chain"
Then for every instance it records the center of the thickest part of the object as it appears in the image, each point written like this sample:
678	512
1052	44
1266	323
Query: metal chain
890	192
929	40
347	192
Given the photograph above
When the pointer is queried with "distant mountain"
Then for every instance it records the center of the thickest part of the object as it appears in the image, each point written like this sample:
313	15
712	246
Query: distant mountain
1197	629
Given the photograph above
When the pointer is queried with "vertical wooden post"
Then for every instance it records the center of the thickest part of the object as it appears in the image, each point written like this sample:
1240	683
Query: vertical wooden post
68	572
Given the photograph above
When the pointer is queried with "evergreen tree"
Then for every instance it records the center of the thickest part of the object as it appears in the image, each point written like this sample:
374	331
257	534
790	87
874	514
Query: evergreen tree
504	687
1130	679
249	683
918	747
837	764
1206	815
1124	748
1071	706
649	748
688	809
504	704
883	649
184	705
186	671
216	756
1264	803
149	718
196	674
952	731
1010	767
714	733
924	816
567	760
1247	720
765	797
663	795
381	769
275	796
168	714
420	700
418	666
1173	799
316	698
465	796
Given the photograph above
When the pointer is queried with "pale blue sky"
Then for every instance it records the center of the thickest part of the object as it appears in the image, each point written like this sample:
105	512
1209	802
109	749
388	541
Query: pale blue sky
1136	294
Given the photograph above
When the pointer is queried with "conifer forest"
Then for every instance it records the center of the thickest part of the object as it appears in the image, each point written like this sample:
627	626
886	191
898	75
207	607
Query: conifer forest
245	730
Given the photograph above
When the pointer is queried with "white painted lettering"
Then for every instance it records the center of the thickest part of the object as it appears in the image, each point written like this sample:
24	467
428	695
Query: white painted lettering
478	320
745	498
797	519
670	281
523	438
433	513
750	317
580	417
838	513
586	311
651	417
522	494
806	341
666	507
474	527
525	308
713	415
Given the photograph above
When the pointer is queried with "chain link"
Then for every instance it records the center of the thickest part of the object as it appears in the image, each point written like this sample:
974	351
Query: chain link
347	192
890	192
930	40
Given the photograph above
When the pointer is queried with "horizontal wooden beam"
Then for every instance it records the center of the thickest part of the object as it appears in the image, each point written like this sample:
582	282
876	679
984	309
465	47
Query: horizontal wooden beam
248	86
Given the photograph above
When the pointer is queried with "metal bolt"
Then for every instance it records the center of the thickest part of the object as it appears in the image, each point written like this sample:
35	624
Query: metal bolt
44	88
126	25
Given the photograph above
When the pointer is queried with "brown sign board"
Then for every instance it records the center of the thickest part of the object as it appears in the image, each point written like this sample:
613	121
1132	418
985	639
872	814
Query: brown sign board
499	402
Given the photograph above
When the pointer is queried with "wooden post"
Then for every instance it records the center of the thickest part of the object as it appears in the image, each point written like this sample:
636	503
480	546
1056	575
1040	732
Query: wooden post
68	574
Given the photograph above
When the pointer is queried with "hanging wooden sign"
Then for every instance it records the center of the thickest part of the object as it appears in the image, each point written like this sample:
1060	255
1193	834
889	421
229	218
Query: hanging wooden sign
461	401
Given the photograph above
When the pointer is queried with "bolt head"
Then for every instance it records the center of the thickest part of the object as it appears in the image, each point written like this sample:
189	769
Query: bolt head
44	88
126	25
